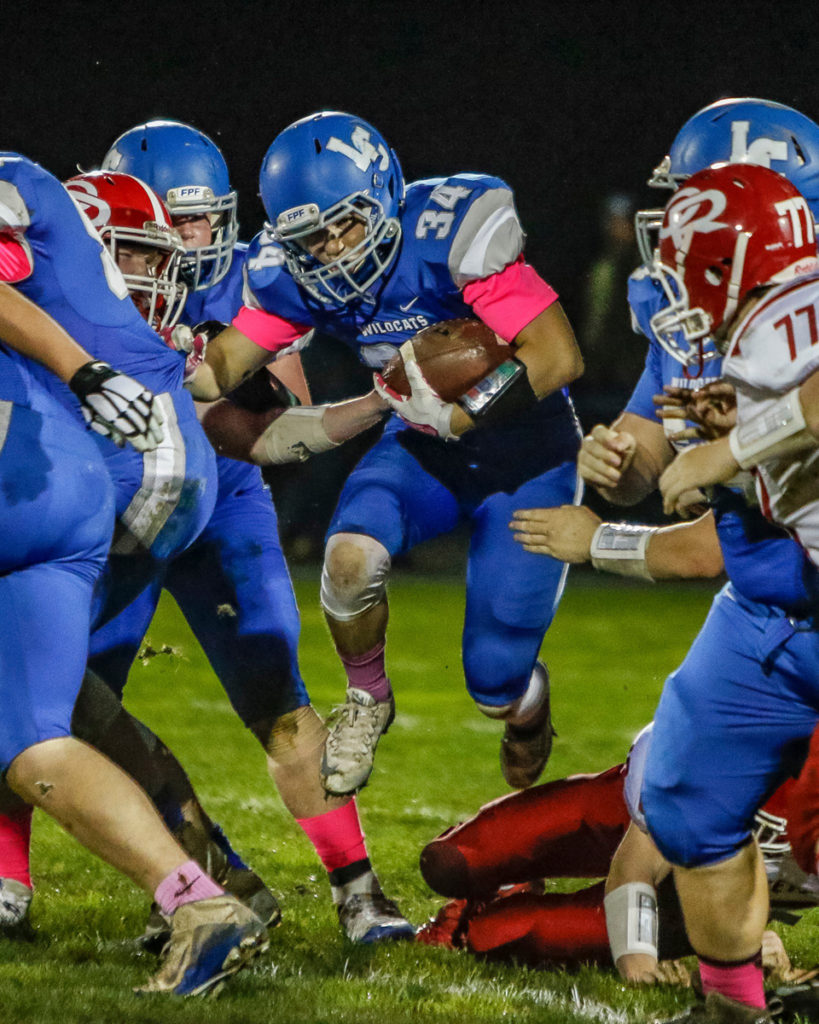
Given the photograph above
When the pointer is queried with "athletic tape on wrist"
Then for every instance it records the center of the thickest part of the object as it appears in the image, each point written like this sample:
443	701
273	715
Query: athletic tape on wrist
631	919
621	548
777	430
296	435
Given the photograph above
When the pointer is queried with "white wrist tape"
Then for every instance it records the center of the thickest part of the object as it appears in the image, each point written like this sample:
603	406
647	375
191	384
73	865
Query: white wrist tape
296	435
621	548
778	430
631	919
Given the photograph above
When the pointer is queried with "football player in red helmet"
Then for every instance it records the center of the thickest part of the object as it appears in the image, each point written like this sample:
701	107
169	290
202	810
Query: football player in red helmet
728	240
136	227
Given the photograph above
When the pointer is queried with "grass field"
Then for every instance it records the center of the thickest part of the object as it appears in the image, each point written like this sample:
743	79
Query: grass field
609	651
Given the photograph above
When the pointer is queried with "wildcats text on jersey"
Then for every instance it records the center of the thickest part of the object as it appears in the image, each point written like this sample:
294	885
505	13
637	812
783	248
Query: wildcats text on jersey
410	323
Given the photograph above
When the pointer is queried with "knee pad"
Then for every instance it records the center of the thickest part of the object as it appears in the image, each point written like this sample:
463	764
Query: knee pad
353	578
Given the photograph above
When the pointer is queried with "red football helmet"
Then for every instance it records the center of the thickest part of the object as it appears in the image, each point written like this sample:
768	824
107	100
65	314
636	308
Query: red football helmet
730	229
136	227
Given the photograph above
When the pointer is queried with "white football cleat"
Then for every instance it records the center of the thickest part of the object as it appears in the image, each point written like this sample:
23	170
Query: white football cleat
371	917
15	900
355	729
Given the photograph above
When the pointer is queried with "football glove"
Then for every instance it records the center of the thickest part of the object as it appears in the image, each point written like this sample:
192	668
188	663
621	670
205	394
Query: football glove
423	409
117	406
192	341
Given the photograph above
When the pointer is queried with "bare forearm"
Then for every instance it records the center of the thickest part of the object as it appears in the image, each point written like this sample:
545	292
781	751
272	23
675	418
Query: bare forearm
344	420
31	332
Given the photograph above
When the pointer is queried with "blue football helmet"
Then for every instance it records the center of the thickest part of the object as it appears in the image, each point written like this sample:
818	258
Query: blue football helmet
320	171
190	174
743	130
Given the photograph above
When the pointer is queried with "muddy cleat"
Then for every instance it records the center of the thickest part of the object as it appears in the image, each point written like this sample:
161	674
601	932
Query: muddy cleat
371	917
525	749
718	1009
789	885
214	854
355	729
15	900
210	940
789	1001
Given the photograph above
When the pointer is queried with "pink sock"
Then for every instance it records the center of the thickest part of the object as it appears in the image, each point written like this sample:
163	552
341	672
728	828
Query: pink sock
739	981
368	672
15	841
337	836
185	884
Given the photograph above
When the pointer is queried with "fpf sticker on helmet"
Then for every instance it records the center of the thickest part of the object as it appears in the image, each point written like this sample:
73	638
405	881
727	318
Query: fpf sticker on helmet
362	152
692	210
761	151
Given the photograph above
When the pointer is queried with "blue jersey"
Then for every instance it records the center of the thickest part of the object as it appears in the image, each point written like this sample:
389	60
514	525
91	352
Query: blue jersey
762	562
76	282
456	230
221	301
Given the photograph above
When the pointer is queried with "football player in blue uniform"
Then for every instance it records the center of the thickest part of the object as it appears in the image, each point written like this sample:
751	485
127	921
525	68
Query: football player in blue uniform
351	252
57	517
237	562
758	620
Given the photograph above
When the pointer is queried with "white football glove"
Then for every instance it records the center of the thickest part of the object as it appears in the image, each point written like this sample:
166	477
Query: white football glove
117	406
423	408
182	339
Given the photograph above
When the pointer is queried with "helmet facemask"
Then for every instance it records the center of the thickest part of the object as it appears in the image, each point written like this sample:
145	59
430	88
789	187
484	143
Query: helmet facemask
160	294
680	330
206	265
351	275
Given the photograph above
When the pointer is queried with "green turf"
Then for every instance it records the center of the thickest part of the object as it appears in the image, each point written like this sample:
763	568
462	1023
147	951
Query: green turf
609	651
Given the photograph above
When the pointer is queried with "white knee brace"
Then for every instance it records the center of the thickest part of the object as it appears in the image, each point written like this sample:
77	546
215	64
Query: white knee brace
348	590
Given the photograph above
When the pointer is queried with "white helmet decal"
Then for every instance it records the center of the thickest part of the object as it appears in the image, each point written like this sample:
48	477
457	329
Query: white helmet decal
686	214
761	151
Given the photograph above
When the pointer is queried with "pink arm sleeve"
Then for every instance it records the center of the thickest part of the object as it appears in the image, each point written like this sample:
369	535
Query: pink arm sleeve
510	300
268	330
15	263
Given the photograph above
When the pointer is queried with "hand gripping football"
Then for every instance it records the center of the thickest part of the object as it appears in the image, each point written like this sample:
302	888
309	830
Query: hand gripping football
453	356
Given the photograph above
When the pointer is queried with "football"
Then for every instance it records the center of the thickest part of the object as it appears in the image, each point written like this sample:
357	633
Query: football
453	356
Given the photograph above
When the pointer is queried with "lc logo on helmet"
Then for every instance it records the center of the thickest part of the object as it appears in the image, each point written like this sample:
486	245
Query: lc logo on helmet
761	151
692	210
362	152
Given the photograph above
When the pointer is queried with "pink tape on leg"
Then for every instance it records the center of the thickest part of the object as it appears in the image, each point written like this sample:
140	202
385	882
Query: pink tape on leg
185	884
337	836
15	842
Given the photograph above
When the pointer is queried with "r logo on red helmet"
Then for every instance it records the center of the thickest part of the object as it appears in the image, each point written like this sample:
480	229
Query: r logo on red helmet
692	210
85	195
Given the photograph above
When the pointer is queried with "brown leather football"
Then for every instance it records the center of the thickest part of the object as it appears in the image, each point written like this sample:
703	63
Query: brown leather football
453	356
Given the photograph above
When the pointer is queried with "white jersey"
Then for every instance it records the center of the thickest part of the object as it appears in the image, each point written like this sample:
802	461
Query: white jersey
773	349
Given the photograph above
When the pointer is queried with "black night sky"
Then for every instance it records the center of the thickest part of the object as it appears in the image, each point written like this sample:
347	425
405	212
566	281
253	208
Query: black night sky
567	102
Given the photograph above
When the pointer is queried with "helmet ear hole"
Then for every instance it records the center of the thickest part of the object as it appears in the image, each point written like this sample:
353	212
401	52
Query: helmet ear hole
317	144
714	275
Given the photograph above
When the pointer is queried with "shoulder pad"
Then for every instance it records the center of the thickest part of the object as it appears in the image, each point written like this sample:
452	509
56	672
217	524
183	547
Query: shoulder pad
13	210
263	263
472	217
